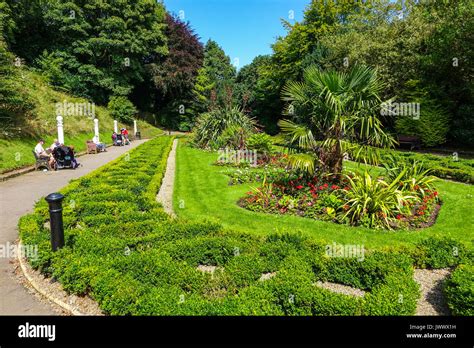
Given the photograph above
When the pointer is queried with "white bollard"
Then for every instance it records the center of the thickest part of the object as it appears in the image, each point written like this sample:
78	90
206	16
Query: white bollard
134	127
115	126
59	120
96	129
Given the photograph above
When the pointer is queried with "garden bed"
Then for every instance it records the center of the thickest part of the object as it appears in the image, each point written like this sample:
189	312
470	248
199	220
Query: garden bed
123	251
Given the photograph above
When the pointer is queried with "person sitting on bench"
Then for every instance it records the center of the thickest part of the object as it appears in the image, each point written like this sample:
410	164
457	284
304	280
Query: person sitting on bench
42	154
100	146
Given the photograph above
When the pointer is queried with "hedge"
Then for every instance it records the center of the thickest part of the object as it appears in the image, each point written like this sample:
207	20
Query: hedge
444	167
127	254
459	290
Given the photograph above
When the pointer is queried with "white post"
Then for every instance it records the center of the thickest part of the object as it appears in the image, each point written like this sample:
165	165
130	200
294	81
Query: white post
115	126
59	120
96	128
134	127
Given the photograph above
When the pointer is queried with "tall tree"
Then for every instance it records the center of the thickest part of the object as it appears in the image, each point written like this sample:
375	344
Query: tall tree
173	77
252	90
216	78
95	48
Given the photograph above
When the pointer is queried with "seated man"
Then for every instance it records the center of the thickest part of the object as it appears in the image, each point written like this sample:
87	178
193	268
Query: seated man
100	146
41	153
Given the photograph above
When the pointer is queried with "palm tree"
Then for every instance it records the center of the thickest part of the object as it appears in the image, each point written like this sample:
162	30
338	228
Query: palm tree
333	113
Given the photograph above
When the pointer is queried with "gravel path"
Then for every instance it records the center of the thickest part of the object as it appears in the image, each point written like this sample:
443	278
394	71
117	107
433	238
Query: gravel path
17	197
165	195
432	301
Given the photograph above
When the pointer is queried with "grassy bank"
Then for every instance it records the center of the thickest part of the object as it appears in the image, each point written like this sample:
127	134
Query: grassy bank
17	142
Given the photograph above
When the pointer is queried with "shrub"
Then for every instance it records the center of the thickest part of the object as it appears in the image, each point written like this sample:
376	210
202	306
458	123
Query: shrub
415	177
261	142
433	123
211	126
121	109
440	253
372	202
459	290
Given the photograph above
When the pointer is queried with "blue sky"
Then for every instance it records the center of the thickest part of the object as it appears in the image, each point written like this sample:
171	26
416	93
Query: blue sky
243	28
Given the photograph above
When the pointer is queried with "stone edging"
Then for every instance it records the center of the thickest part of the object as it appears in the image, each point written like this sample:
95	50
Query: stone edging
25	270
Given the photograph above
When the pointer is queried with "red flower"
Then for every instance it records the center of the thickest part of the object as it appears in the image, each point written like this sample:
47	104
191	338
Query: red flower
421	213
321	187
435	193
416	187
399	217
345	207
334	187
299	187
325	185
347	188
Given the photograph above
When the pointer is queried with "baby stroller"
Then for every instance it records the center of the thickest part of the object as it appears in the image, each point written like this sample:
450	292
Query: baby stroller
119	140
64	157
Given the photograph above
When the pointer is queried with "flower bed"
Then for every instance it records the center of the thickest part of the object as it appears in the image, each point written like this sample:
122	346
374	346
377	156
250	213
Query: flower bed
330	198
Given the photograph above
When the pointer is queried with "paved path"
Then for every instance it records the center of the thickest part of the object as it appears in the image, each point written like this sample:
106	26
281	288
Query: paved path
165	195
17	197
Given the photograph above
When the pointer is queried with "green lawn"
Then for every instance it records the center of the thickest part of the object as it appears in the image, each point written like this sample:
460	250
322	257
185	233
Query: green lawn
202	192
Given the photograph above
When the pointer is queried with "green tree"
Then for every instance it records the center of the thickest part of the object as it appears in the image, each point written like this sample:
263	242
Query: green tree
252	90
173	77
100	47
215	80
122	109
334	112
419	43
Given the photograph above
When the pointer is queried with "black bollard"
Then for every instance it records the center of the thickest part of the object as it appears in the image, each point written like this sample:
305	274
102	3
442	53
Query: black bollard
55	201
138	135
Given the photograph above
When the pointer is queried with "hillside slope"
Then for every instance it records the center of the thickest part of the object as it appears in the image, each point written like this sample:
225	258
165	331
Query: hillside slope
18	141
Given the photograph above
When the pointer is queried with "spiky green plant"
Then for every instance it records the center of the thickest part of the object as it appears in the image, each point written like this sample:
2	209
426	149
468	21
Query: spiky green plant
374	202
416	177
211	126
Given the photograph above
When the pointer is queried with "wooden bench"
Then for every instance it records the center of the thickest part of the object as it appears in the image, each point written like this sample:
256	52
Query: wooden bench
91	147
412	140
41	162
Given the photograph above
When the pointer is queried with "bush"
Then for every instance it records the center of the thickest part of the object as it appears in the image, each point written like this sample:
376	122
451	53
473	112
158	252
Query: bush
213	129
440	253
459	290
462	129
432	125
261	142
122	109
